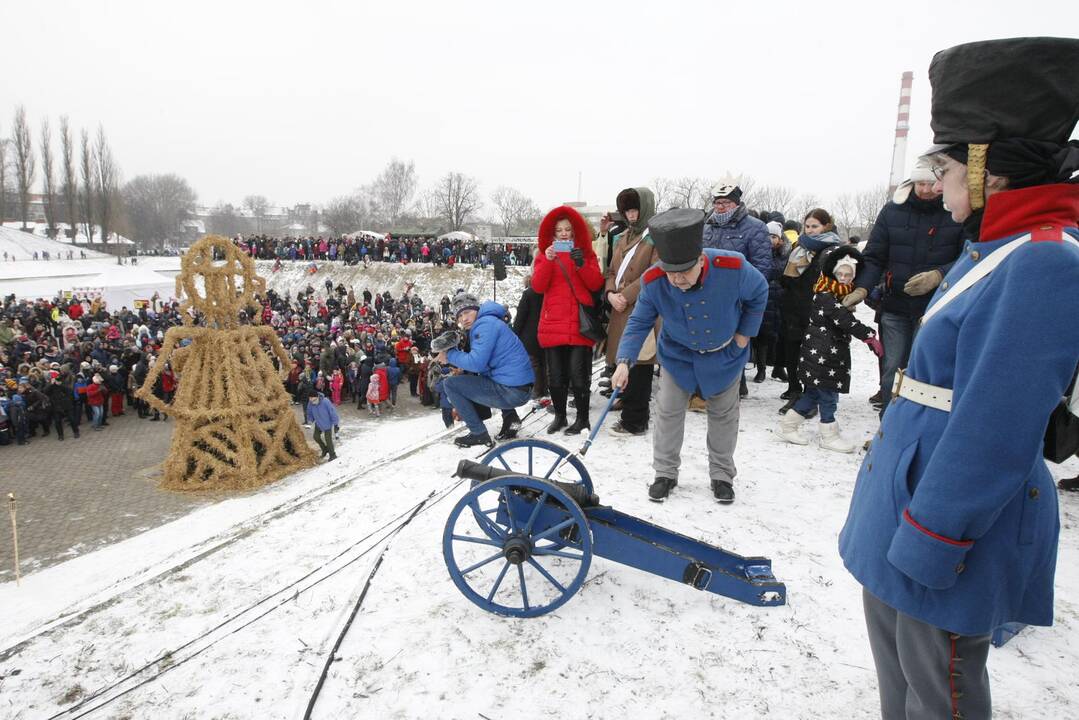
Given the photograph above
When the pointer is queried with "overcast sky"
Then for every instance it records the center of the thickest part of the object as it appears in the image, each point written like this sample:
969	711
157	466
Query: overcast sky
303	101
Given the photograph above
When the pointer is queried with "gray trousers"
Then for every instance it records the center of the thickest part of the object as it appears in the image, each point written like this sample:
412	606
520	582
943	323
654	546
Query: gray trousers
670	426
924	671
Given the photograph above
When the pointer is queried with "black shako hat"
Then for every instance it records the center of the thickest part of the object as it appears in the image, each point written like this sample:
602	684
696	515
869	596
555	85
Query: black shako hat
1012	88
678	235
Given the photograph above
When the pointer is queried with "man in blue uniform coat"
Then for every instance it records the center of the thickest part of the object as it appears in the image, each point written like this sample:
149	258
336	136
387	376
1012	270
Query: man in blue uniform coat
711	302
953	526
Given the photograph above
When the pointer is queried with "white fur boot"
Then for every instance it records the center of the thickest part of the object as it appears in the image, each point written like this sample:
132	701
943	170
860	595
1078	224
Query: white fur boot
790	428
830	439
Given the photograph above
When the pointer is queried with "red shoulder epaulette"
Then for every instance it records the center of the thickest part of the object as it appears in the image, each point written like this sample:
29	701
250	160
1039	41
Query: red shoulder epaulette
727	261
1047	233
654	274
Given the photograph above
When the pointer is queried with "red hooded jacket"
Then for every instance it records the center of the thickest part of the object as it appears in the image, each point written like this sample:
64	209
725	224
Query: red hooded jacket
559	324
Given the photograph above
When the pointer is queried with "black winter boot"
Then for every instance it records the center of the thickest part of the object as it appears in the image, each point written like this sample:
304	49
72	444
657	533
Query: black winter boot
511	423
558	405
581	423
661	488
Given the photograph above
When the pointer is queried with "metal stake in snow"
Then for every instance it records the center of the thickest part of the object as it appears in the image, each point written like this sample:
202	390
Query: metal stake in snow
14	534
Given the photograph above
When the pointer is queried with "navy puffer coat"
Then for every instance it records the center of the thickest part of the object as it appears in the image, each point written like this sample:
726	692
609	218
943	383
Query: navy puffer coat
907	239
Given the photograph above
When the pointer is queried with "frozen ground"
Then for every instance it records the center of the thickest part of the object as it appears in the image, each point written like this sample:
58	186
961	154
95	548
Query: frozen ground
627	645
22	245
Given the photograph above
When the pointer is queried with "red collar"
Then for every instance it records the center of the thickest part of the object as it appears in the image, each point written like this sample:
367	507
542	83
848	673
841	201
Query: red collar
1019	211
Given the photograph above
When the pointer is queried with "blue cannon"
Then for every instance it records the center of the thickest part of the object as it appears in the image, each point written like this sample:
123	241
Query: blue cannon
521	540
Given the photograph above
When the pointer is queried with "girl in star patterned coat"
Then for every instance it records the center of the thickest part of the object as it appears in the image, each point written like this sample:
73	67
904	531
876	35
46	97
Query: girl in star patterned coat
824	368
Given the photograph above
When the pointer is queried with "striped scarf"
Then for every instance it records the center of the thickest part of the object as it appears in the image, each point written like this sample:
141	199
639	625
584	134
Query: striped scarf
827	284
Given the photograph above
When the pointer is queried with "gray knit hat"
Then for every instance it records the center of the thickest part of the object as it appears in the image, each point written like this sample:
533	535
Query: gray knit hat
464	301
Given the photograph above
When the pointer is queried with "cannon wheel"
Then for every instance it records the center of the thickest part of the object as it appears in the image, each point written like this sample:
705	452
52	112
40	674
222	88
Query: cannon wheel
517	546
538	458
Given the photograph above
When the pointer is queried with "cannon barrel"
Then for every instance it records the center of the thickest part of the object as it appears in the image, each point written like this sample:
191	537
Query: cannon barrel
479	472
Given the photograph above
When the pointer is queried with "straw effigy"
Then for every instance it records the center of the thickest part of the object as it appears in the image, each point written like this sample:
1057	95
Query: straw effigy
235	428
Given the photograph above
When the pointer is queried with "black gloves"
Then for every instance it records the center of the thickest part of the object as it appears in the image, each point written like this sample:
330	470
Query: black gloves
578	256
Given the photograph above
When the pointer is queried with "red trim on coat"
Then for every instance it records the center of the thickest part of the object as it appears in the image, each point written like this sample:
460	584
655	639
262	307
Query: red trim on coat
1047	233
728	261
1018	211
653	274
935	536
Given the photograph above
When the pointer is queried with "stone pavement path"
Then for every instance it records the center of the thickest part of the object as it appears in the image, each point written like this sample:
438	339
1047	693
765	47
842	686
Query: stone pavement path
78	495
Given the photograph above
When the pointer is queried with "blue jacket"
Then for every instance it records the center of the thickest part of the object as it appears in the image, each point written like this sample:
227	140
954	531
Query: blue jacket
730	298
323	414
743	233
494	351
393	373
907	239
954	520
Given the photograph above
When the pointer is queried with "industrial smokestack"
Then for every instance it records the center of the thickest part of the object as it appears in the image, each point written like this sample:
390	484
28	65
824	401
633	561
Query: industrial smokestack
902	127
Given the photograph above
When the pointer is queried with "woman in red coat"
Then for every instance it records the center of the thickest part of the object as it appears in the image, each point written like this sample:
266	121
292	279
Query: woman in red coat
566	280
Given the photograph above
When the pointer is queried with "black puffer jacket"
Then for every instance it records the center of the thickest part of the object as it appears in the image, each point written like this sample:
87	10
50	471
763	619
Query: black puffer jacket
907	239
526	321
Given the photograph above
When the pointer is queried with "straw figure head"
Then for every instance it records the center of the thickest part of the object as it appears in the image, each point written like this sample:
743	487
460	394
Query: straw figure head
218	263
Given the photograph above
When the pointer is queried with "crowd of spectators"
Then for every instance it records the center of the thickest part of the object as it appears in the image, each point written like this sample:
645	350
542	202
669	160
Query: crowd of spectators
366	249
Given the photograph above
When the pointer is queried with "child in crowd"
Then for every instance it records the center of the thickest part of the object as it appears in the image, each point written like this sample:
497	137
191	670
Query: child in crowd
337	381
374	402
824	367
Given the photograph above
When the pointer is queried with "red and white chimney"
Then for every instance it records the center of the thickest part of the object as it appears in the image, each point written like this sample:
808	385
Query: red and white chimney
902	127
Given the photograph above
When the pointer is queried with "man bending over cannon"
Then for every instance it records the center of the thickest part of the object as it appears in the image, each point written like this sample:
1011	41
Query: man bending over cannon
712	302
500	372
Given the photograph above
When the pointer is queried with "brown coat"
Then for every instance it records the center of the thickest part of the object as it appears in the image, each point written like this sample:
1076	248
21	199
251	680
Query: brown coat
630	287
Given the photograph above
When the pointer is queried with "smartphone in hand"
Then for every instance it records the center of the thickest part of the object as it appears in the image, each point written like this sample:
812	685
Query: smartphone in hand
563	246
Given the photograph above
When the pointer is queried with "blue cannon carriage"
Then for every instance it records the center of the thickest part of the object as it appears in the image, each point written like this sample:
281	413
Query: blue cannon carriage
521	540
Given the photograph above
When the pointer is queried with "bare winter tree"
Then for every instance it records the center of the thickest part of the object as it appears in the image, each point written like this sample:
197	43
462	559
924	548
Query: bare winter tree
802	204
513	208
775	198
156	206
25	164
685	192
345	214
257	205
108	184
224	220
3	179
394	188
661	189
89	182
69	190
48	178
845	214
456	199
868	205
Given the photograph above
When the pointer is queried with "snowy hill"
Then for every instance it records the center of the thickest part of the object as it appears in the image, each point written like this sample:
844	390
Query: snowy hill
430	282
627	645
22	246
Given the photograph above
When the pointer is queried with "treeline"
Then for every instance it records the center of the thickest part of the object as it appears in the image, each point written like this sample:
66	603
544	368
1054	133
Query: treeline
80	180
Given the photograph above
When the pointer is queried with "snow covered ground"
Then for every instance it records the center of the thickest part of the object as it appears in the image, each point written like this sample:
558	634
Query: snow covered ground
430	282
22	245
627	645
